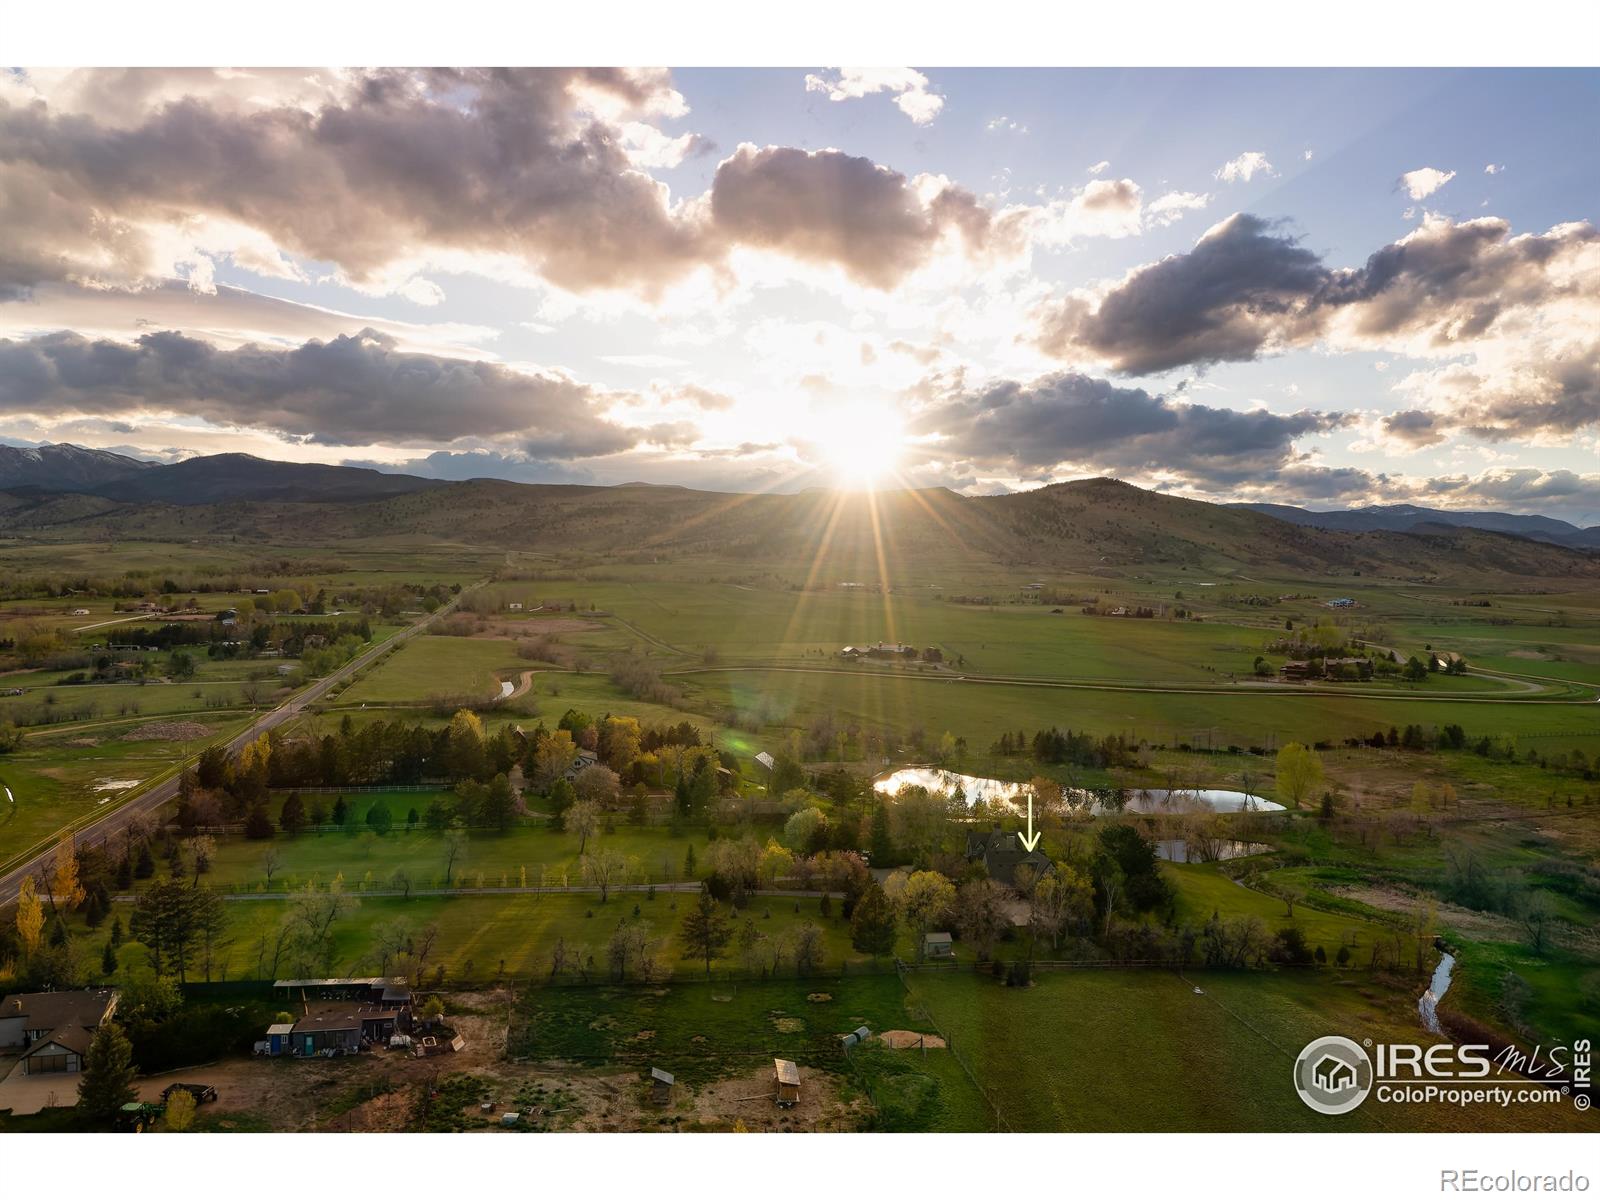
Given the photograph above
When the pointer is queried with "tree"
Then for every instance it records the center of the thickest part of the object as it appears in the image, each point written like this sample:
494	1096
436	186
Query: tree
807	949
108	1074
257	824
800	830
455	852
30	916
271	863
602	869
65	889
926	900
552	756
706	930
202	850
498	805
980	916
180	1111
379	819
596	785
1061	899
1299	771
311	919
583	820
872	924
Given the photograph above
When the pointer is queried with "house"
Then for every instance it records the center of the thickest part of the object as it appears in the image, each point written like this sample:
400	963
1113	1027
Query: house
341	1027
786	1083
514	606
285	668
80	612
661	1086
1002	853
938	945
1298	671
391	991
55	1027
586	758
1443	660
1340	602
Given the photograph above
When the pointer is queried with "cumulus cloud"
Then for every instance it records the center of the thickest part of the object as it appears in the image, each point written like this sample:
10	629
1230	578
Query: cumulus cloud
911	90
826	206
1004	124
1494	168
354	390
1246	167
1072	421
1513	319
1424	181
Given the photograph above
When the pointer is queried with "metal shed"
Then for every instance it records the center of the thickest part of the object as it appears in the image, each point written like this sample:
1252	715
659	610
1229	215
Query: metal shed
279	1038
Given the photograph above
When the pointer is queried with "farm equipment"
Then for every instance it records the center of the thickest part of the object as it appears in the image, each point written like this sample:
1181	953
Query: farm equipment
136	1117
203	1093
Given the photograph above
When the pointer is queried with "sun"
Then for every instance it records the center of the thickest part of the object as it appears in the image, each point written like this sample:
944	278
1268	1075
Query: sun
862	446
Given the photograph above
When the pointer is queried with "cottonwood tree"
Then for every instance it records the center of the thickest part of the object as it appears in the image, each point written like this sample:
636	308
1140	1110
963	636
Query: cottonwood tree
312	915
30	916
706	930
980	914
1299	771
583	820
1062	899
927	900
65	889
389	942
604	869
597	785
807	950
455	853
271	863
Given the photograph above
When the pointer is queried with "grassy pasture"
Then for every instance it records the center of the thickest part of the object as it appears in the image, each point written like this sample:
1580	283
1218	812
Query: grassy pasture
432	665
1121	1051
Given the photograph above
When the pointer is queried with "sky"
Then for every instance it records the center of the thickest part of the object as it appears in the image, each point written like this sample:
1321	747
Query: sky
1318	287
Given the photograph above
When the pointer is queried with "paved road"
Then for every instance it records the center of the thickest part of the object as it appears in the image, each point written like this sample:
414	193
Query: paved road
153	798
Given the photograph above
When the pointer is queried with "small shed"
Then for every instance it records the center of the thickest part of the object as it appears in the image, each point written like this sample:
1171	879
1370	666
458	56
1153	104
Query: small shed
280	1038
786	1080
938	945
855	1037
661	1086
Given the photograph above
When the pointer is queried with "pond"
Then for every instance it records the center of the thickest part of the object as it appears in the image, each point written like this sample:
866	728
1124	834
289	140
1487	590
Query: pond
1013	795
1179	850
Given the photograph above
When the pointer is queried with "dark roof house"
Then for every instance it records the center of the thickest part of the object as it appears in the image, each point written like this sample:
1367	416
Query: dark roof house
1002	853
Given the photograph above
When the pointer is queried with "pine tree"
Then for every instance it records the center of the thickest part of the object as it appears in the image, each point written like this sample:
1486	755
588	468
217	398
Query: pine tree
706	930
872	925
108	1073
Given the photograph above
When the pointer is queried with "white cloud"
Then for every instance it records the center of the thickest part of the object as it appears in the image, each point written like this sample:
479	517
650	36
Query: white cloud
1170	207
1246	167
912	94
1307	155
1004	124
1100	167
1494	168
1424	181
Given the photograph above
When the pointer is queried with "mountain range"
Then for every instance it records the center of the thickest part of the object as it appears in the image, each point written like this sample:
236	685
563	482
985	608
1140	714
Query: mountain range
1094	527
1402	517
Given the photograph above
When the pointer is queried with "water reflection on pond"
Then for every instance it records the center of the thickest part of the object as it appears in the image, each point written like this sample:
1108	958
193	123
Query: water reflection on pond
1179	850
973	788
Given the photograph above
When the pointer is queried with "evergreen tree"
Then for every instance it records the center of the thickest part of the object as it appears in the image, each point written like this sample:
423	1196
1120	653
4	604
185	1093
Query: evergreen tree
881	844
293	817
706	930
340	811
257	825
872	925
108	1073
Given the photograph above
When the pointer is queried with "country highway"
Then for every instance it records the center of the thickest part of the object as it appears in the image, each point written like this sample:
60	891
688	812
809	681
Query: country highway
153	798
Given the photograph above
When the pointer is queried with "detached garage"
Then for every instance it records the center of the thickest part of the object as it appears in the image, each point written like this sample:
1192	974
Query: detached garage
59	1052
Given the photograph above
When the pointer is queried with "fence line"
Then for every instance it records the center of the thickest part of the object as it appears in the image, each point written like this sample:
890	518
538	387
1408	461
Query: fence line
950	1045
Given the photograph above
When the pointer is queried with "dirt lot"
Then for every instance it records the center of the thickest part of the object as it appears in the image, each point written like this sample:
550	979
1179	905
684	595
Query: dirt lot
381	1091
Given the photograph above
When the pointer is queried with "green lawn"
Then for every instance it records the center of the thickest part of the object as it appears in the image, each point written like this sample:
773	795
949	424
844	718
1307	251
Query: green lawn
1122	1051
430	665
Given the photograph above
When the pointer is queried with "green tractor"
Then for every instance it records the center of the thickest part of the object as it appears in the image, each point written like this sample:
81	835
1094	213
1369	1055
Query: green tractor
137	1117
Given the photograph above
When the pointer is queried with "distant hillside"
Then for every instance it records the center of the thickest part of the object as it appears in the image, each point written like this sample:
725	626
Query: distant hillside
225	477
1093	527
1405	517
65	467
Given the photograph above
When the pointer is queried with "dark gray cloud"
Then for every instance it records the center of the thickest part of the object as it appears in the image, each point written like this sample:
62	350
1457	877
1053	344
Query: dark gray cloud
350	390
499	162
828	206
1445	289
1091	423
1242	286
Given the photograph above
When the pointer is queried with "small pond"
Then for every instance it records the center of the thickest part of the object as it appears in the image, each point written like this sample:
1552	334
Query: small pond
1144	800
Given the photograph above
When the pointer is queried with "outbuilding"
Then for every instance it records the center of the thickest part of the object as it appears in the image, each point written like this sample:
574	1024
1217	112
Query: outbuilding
786	1083
938	945
661	1083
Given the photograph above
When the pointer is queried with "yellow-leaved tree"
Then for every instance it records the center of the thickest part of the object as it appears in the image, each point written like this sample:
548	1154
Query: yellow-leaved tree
30	916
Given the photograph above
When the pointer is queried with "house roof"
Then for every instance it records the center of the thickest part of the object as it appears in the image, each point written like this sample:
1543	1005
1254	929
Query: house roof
787	1072
69	1037
661	1076
50	1010
281	1028
342	1016
935	937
